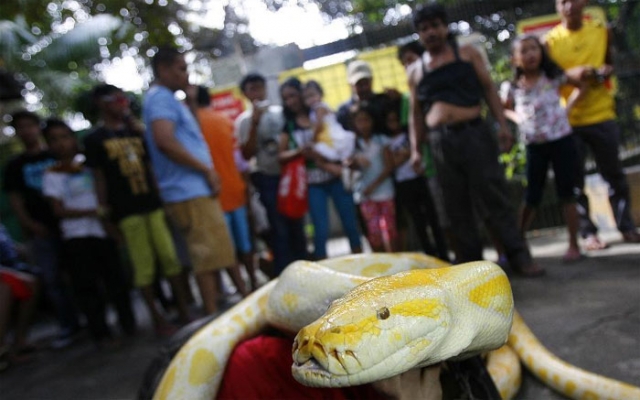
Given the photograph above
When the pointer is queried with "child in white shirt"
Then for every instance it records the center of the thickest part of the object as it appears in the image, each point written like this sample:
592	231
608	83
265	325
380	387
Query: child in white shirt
93	261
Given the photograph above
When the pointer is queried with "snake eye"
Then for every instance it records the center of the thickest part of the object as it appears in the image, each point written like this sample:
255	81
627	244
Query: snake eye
383	313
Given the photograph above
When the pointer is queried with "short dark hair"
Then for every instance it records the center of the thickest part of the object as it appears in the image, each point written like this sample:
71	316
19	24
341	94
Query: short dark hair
53	123
314	85
24	114
251	78
203	98
164	56
102	90
411	47
429	11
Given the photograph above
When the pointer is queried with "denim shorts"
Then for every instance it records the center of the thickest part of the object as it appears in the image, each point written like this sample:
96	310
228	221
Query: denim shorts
238	224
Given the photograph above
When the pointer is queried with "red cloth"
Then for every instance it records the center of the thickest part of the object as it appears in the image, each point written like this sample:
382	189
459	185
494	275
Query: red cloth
19	288
260	368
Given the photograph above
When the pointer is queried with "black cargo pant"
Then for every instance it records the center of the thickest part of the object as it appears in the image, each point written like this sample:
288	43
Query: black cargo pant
603	139
466	159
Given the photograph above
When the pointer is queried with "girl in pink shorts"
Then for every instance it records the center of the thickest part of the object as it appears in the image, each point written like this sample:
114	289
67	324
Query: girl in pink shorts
373	190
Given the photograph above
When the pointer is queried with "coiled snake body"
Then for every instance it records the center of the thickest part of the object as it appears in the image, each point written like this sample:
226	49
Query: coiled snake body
419	312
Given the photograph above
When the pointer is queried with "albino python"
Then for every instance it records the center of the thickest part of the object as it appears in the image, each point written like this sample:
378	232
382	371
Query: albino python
419	314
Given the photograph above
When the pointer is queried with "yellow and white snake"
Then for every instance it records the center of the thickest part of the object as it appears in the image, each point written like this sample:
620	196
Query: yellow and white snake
416	312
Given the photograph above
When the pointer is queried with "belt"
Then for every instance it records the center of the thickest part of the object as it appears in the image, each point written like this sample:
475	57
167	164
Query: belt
458	126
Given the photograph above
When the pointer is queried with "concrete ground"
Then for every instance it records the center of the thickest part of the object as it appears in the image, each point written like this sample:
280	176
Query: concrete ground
587	313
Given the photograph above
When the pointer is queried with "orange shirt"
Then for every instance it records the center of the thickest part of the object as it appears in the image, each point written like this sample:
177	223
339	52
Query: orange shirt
217	130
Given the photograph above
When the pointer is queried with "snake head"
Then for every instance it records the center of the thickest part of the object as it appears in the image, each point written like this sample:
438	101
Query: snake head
380	325
391	324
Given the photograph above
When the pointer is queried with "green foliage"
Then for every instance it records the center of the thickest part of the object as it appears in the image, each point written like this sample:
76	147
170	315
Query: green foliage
515	162
502	70
53	46
52	64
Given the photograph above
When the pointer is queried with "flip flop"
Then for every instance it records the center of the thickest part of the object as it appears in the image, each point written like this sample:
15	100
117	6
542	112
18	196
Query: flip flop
592	243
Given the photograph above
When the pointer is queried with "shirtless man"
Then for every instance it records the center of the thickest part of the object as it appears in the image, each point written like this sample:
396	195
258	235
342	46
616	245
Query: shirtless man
447	85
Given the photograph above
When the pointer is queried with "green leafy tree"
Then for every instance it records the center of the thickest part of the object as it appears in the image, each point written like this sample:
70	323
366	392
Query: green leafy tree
61	52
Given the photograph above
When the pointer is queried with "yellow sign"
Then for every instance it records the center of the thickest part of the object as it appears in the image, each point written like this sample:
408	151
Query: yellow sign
387	71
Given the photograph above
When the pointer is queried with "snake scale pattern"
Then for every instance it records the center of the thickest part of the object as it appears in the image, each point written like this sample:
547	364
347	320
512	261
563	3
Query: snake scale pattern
411	308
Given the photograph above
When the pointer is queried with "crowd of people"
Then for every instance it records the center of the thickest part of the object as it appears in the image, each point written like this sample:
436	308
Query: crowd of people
174	189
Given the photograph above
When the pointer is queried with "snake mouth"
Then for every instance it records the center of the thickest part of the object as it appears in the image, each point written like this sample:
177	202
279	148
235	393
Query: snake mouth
312	373
316	365
306	368
311	367
310	354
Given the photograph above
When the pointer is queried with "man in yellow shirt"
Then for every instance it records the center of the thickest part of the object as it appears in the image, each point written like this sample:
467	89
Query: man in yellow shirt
582	42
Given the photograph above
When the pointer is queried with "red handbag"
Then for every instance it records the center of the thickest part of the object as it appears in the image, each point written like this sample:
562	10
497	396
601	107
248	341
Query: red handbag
293	200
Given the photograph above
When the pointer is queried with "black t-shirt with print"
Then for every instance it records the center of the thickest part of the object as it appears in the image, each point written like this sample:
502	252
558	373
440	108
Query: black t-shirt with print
123	159
23	175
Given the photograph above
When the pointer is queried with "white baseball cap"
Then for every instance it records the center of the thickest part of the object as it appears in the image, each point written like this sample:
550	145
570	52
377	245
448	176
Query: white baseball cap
357	70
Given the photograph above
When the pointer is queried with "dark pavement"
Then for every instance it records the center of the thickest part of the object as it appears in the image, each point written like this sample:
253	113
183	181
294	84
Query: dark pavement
587	313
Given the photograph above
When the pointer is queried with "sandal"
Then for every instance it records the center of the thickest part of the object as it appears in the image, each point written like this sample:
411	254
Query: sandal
631	236
593	242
